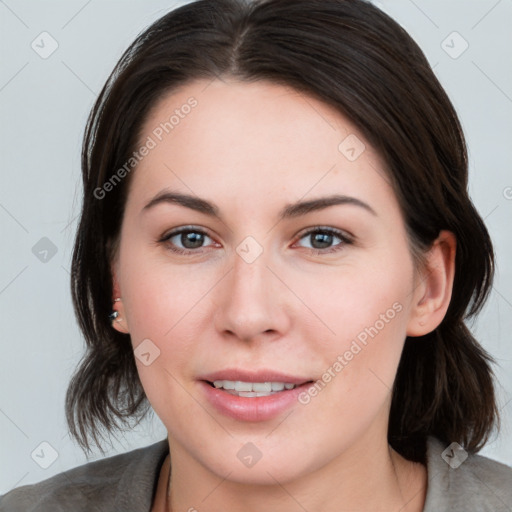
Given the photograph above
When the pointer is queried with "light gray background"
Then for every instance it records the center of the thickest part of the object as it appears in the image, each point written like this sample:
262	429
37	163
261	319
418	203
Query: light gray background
44	104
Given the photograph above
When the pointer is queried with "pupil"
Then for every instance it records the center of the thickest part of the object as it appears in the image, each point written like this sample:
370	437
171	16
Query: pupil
323	238
194	238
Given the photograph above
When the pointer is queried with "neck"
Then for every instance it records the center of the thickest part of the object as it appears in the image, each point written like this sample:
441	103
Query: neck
369	477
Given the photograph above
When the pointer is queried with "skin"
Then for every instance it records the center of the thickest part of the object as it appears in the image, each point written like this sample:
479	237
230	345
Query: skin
251	149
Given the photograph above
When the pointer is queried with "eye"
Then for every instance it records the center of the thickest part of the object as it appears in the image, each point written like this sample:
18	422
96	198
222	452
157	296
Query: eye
322	239
189	237
189	240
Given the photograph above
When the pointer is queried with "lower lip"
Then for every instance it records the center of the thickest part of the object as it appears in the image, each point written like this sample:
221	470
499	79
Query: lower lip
254	409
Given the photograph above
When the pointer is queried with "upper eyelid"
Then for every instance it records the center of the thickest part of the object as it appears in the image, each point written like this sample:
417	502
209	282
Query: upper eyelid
177	231
320	227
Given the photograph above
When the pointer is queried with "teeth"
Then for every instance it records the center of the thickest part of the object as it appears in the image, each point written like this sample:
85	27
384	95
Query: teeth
251	389
226	384
247	394
243	386
262	387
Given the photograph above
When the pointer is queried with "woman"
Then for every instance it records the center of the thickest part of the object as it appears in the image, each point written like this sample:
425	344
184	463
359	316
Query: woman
277	254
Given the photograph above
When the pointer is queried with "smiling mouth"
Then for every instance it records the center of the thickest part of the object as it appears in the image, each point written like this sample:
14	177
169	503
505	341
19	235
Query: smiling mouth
253	389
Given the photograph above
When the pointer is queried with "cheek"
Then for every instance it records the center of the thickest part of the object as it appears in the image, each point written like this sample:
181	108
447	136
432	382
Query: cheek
368	313
364	304
161	294
165	311
164	301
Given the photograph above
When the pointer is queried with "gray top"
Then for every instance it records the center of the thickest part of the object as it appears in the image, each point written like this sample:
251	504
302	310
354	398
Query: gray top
128	482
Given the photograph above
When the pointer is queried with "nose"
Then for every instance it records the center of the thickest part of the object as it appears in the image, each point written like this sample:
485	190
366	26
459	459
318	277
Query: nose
252	302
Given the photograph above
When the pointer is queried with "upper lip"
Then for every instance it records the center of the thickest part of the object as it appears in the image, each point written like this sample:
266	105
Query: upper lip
262	375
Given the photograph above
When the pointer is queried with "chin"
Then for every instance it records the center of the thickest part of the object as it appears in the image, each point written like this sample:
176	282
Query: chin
251	462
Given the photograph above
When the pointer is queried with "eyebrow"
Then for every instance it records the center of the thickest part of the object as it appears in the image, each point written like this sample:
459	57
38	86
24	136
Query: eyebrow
290	211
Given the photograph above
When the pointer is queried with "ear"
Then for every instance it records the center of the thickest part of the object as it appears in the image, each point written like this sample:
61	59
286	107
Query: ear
433	292
120	323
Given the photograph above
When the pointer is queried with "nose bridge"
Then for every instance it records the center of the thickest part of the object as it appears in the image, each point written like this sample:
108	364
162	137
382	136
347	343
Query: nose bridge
250	259
250	267
251	299
250	279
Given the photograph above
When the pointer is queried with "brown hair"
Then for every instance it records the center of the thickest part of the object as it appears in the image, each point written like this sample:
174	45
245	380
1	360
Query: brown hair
355	58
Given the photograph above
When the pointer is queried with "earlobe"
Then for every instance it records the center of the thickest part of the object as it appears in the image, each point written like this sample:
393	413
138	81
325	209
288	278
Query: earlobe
117	316
433	293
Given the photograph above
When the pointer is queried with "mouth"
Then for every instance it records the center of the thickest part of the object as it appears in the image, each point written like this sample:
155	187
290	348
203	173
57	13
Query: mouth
252	396
253	389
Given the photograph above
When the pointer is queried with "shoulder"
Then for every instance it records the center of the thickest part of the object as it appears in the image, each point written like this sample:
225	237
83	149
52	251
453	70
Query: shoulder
106	484
462	481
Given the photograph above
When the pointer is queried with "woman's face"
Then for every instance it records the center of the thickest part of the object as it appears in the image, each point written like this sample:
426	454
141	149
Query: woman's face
256	289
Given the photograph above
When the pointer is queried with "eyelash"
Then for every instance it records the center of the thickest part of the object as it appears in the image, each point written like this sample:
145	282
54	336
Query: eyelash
345	239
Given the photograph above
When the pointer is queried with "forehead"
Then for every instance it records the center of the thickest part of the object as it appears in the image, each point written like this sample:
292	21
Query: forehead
256	140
